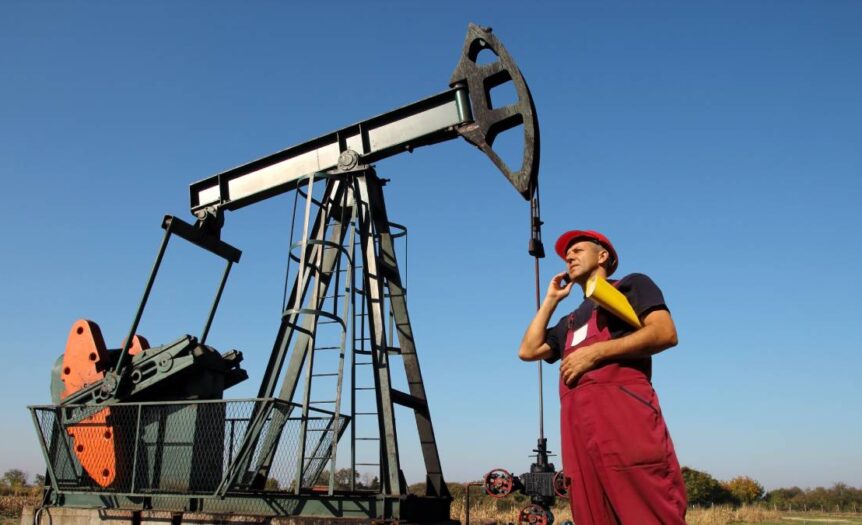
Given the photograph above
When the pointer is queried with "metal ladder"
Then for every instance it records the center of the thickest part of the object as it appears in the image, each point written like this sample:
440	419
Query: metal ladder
380	295
383	286
325	450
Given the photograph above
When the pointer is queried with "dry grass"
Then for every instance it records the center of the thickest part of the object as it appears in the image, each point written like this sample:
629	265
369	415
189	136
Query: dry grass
484	510
11	506
723	515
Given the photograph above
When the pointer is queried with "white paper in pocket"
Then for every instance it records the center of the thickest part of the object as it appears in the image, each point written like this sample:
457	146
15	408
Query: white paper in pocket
579	335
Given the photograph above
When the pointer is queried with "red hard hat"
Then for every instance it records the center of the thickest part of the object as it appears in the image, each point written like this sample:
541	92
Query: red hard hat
569	237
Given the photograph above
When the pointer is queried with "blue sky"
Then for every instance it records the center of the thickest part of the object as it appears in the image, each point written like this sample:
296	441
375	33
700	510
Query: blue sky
717	145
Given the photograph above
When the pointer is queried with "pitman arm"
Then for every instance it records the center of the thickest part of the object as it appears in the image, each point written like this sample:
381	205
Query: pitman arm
463	110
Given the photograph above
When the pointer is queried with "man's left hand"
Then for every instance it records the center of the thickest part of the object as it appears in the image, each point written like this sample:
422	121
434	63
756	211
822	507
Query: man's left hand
579	363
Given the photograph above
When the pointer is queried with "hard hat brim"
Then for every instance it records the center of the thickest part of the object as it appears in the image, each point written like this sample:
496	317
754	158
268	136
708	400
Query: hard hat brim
565	240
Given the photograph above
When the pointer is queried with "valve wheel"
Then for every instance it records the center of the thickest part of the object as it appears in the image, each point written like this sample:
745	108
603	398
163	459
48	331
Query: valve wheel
535	515
561	485
498	483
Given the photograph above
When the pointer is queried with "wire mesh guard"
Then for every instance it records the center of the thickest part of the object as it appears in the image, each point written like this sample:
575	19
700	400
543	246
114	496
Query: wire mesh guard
180	447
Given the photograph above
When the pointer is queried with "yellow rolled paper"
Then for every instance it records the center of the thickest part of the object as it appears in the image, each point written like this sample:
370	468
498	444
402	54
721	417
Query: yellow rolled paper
608	297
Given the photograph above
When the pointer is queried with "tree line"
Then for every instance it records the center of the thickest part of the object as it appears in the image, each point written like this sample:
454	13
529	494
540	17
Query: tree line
704	490
15	482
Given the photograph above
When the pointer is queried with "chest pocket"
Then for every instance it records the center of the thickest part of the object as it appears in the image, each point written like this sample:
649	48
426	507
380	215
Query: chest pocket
578	336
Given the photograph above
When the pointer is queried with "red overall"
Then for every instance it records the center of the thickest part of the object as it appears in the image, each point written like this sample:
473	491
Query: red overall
616	448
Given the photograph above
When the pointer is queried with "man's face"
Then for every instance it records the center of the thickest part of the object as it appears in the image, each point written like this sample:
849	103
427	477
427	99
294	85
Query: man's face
582	258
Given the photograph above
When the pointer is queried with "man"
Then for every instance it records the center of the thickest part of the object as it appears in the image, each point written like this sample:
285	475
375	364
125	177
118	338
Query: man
617	452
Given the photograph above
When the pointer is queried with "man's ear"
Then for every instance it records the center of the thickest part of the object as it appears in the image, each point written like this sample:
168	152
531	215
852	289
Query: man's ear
604	256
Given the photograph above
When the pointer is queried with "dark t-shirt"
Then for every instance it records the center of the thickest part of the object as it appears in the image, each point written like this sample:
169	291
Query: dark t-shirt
640	290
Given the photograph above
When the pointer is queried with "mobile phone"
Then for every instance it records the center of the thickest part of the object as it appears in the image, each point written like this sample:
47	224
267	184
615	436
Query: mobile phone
564	281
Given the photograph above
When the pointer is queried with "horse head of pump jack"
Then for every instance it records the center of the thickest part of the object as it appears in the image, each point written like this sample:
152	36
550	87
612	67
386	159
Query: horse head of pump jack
488	121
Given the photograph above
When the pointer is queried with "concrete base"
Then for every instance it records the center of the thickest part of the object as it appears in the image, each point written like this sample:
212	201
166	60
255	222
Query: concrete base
75	516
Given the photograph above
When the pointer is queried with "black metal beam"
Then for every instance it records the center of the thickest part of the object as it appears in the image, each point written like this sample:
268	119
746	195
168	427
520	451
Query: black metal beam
201	238
427	121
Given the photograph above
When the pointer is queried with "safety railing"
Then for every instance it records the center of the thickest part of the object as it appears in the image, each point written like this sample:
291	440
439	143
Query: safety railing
179	447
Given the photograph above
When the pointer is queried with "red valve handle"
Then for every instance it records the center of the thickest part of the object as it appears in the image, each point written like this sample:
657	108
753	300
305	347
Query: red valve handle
498	483
561	485
534	515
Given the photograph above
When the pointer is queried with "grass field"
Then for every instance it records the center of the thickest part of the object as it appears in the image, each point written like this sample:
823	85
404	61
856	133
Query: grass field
486	510
10	507
751	514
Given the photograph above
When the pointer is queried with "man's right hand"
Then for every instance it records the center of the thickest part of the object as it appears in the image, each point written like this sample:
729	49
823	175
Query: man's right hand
557	291
533	345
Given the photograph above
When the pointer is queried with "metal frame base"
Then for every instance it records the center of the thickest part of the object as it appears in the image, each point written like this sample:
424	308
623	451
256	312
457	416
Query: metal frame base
280	508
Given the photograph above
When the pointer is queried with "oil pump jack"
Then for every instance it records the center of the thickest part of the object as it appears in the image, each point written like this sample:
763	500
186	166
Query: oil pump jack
141	429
